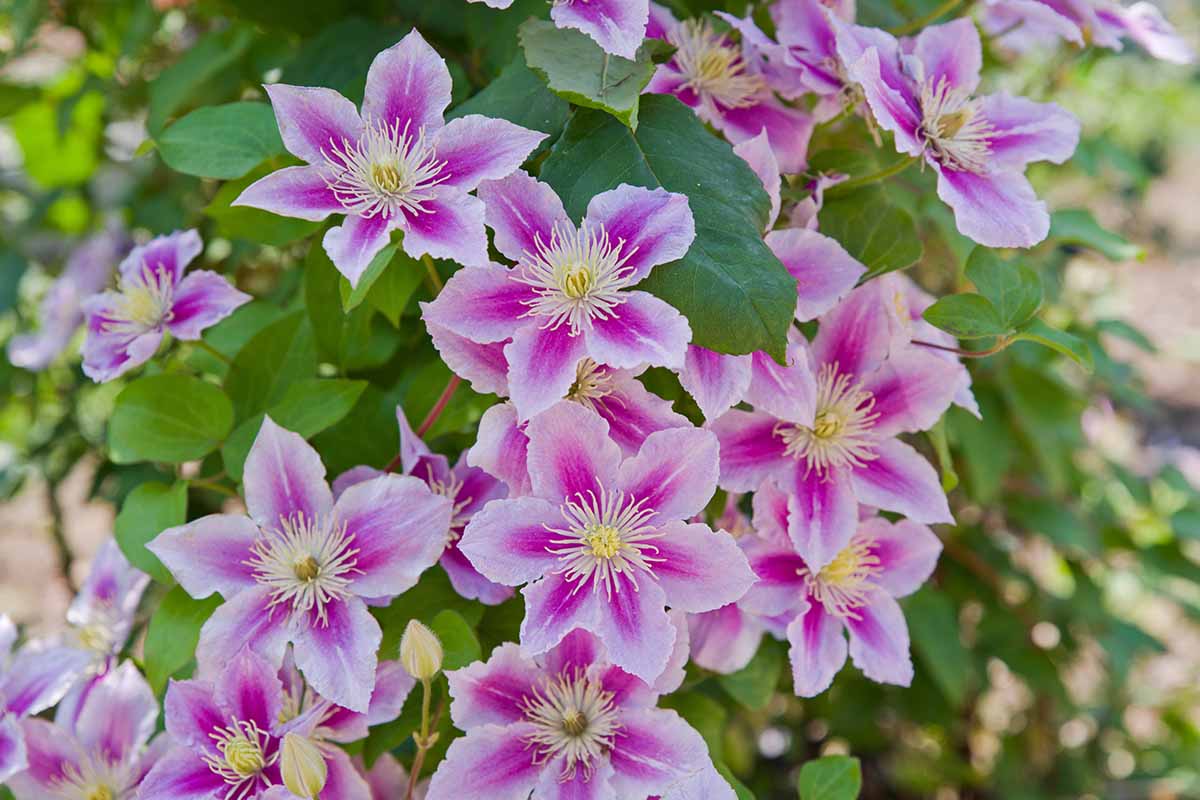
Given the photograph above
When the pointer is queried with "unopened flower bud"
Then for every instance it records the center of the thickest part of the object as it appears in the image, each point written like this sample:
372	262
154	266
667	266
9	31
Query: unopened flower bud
302	766
420	651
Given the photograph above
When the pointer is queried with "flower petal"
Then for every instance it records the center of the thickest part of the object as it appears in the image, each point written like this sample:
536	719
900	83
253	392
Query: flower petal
717	382
399	528
209	554
483	304
570	453
824	271
509	541
500	448
724	640
899	479
674	473
950	53
314	121
907	551
353	245
911	390
788	130
522	211
202	299
701	569
558	782
633	624
300	192
338	657
468	581
553	608
822	513
192	714
408	87
541	367
249	688
342	780
284	478
50	756
857	334
14	757
618	26
492	692
642	330
757	154
872	60
779	587
788	392
118	716
1025	131
450	226
180	775
247	619
817	651
478	148
750	450
879	641
491	761
633	413
652	226
39	676
170	254
996	210
109	353
655	750
481	365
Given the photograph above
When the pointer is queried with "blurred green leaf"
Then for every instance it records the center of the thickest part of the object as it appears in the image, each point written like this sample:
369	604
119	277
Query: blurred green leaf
1070	346
172	418
147	511
754	684
266	367
830	778
933	623
460	647
172	635
1078	227
221	141
176	86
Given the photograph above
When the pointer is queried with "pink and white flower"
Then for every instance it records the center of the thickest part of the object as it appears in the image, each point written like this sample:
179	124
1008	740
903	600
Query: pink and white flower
226	735
601	540
60	314
568	725
923	91
153	298
855	592
726	87
298	568
466	487
103	753
833	445
618	26
570	295
395	166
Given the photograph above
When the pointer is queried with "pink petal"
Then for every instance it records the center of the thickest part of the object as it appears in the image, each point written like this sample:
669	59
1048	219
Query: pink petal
338	659
119	715
780	586
300	192
553	608
872	60
508	541
392	686
202	299
570	453
1145	24
249	689
492	692
500	448
314	121
353	245
750	450
951	53
408	86
191	714
817	652
521	210
14	757
618	26
907	553
716	381
879	641
582	784
634	626
912	389
284	478
824	271
724	640
757	153
482	365
788	130
170	254
1025	131
352	476
857	334
674	473
108	354
822	513
633	413
899	479
788	392
700	569
180	775
653	225
39	676
477	148
642	330
247	619
470	582
399	528
655	750
770	513
342	781
450	227
578	651
493	762
997	210
113	588
483	304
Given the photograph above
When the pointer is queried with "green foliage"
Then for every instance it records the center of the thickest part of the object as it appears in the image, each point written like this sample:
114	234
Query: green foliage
172	418
147	511
872	229
172	636
831	778
221	141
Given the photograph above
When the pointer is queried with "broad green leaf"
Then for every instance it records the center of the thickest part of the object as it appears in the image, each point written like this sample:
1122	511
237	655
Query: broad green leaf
176	85
264	369
308	407
519	96
987	450
352	296
831	778
579	71
173	633
874	230
392	291
1013	289
1069	345
354	340
754	684
967	316
933	623
460	647
221	141
147	511
172	418
1077	227
254	224
734	291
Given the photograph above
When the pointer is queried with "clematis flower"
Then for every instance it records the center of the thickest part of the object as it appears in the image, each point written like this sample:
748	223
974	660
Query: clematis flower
397	166
923	92
618	26
1022	23
833	445
467	488
855	591
87	272
568	725
104	753
388	779
601	540
711	74
569	297
226	736
298	568
153	298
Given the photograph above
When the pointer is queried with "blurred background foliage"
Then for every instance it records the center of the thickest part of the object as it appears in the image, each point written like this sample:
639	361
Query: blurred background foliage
1058	647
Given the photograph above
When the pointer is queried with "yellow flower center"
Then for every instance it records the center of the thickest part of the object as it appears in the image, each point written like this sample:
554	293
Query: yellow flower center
605	541
574	723
827	425
386	177
101	793
844	584
577	282
141	306
307	568
244	756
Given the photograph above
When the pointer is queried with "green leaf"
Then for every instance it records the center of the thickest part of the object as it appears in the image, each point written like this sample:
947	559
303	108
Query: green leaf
352	296
459	645
308	407
432	595
933	623
1014	290
175	86
279	355
967	316
734	291
703	713
172	418
937	437
519	96
874	230
1077	227
56	154
1069	345
831	778
254	224
148	511
352	341
339	56
579	71
754	684
221	141
173	633
395	287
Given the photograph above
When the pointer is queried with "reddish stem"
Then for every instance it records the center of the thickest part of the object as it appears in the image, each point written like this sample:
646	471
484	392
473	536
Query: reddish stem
431	417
